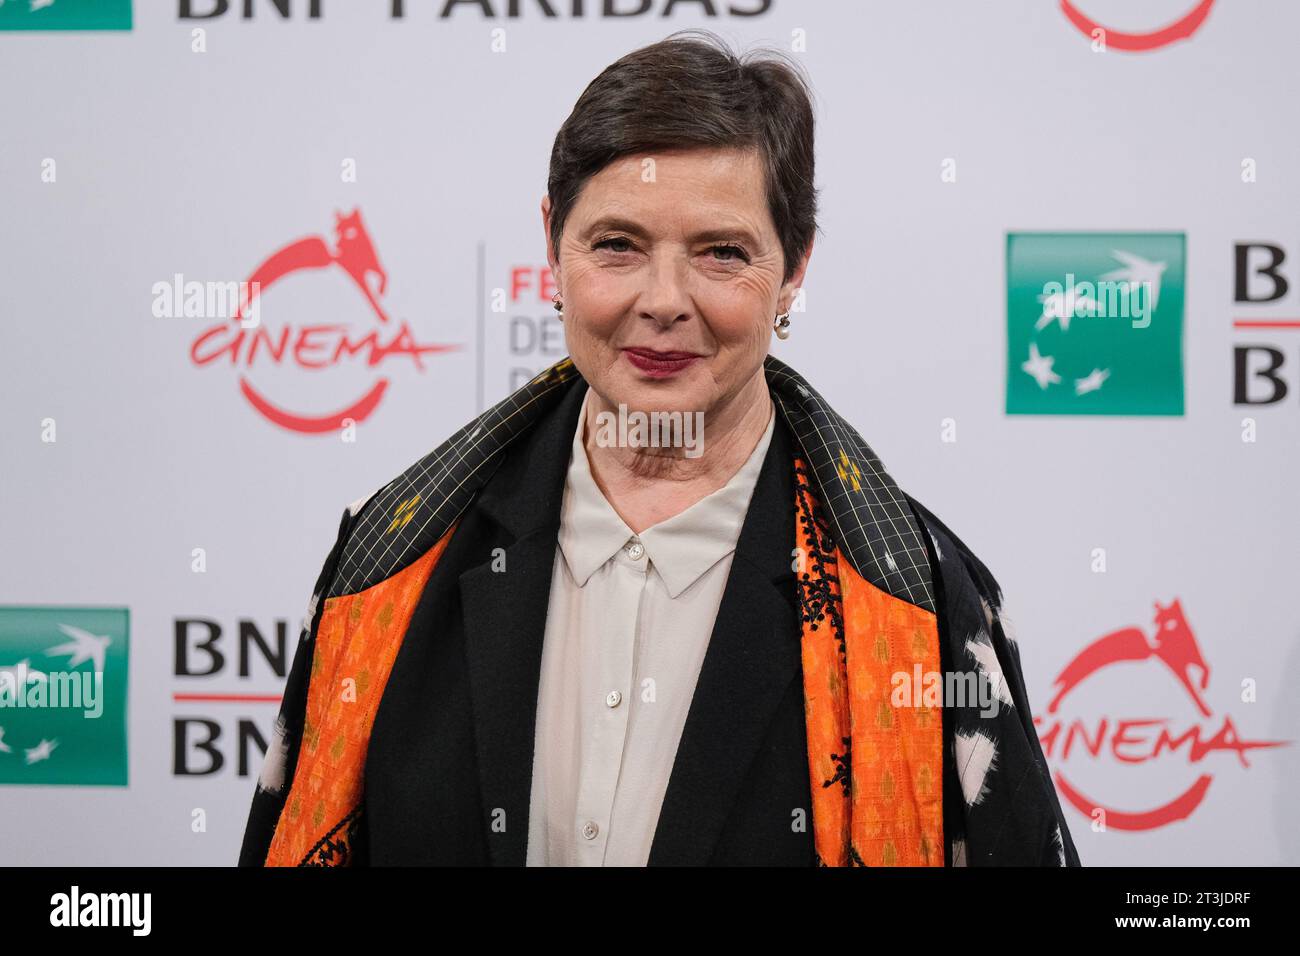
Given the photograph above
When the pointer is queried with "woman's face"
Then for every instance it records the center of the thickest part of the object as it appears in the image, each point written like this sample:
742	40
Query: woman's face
672	254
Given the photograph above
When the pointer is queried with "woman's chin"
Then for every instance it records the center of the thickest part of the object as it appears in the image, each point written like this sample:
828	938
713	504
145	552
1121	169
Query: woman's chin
678	393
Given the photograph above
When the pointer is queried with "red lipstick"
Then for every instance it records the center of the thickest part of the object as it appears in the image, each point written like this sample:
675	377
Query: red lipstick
659	364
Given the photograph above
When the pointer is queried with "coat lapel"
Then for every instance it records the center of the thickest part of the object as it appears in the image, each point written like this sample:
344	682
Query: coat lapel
504	615
752	657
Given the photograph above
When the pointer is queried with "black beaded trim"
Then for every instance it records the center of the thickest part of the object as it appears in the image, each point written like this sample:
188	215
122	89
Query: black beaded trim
819	582
843	768
819	596
331	852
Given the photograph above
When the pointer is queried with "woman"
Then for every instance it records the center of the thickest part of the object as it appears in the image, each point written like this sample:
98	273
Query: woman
558	639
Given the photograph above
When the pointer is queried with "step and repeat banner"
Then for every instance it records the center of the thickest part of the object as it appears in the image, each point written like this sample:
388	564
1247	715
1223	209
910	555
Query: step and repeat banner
1069	230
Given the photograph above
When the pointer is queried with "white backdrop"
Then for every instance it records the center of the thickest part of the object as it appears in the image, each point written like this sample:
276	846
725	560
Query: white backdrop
135	477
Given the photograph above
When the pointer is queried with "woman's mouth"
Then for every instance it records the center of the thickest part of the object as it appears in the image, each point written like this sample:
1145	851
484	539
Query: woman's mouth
659	364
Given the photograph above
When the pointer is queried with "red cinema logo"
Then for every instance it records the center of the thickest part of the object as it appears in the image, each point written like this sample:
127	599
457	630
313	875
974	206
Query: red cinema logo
317	346
1180	29
1165	743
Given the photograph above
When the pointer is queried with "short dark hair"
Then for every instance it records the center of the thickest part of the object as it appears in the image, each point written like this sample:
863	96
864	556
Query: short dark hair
686	91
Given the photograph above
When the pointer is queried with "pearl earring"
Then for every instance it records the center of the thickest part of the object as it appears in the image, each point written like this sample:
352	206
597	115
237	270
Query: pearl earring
782	326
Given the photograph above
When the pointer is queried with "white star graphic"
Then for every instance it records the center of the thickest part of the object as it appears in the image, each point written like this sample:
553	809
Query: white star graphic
1139	270
84	646
1092	382
1062	308
41	751
1040	367
4	747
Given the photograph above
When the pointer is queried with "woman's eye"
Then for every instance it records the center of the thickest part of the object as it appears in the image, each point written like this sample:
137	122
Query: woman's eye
730	253
613	241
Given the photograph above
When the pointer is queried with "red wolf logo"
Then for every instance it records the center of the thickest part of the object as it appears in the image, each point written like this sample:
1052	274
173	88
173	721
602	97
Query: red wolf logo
354	252
1174	645
1135	741
315	346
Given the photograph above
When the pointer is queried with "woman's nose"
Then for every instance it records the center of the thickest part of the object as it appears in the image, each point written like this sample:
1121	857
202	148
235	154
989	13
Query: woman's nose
665	297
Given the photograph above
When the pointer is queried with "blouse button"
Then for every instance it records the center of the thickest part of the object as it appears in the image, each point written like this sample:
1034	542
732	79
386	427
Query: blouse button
589	830
613	698
635	550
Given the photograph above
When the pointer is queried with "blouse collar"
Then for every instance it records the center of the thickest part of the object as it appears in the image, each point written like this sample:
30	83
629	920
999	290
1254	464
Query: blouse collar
681	548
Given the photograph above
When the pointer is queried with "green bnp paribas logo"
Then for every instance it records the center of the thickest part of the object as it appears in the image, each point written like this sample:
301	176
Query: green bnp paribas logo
1095	323
65	14
63	703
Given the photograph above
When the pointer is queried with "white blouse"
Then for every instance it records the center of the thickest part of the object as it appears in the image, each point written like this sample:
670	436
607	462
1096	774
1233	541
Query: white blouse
627	628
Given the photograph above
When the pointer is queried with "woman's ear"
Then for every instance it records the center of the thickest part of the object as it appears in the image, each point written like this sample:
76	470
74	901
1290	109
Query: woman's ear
791	289
552	256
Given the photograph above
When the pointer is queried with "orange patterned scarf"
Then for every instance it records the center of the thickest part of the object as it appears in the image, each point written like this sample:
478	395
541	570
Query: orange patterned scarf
876	769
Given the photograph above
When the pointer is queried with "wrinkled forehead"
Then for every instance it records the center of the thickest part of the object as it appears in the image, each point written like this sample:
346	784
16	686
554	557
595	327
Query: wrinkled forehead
694	189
